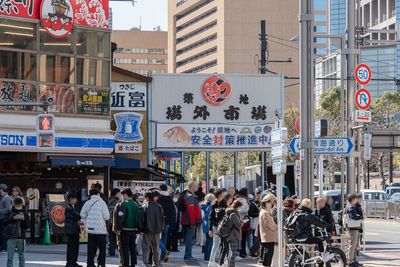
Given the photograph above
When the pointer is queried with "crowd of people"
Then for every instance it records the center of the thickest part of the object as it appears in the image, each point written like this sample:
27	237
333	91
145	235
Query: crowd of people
229	224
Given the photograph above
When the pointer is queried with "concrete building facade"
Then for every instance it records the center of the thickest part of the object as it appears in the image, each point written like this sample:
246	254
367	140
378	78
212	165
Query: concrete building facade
143	52
222	36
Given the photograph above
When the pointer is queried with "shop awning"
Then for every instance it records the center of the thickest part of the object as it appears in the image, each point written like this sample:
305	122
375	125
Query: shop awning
82	161
126	163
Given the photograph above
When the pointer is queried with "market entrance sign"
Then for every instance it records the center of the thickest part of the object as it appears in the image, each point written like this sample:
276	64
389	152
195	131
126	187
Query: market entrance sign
199	111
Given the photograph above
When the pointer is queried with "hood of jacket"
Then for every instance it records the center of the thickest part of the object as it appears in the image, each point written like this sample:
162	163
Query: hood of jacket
305	209
164	193
229	211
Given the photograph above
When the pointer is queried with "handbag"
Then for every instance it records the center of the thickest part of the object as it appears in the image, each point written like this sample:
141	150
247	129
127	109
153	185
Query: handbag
349	223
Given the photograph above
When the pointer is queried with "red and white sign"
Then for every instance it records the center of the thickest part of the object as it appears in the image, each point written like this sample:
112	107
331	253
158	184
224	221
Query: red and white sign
57	17
363	99
297	125
216	90
93	13
362	116
363	74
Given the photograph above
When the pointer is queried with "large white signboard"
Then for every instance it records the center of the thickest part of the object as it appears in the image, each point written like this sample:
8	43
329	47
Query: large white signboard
186	102
128	96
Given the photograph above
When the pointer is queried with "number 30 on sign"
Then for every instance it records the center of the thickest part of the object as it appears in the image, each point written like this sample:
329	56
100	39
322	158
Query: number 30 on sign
363	74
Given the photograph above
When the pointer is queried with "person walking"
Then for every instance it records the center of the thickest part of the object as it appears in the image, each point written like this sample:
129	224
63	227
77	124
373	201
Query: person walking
268	229
254	212
16	221
354	213
95	213
112	238
217	213
72	230
243	197
127	223
206	209
191	216
5	207
151	223
231	241
165	200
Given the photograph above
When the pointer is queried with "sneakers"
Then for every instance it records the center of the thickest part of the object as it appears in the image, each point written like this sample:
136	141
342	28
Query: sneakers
327	256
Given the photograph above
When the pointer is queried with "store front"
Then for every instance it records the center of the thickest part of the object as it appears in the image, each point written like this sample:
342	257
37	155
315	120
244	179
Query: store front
58	51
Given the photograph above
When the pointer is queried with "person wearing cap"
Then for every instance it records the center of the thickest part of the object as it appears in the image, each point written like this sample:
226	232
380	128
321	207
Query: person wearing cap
268	229
16	222
5	207
72	230
127	222
95	214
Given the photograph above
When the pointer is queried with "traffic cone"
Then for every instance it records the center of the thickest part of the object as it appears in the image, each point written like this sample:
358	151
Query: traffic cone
46	235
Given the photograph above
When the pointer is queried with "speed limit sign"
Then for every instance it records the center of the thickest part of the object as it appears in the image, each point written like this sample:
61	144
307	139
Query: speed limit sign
363	74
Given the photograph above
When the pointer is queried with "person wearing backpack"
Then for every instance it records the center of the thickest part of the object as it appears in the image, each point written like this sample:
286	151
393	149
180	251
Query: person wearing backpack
300	223
230	232
352	221
16	221
206	209
268	229
217	213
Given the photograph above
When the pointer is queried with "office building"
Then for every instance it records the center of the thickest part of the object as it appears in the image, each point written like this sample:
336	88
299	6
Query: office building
143	52
337	22
223	37
321	19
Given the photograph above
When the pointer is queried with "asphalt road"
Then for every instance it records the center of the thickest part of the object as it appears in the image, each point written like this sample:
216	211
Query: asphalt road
382	249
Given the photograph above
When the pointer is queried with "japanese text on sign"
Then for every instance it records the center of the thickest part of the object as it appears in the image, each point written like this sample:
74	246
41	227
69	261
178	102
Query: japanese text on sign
128	96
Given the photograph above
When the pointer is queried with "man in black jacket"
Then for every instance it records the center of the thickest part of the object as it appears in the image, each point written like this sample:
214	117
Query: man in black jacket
324	213
16	222
303	228
72	230
165	200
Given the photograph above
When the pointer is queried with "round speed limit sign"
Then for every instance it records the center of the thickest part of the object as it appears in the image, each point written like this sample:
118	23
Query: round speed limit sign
363	74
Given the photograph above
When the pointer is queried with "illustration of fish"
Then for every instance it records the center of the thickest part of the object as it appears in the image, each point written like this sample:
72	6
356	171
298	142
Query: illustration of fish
177	135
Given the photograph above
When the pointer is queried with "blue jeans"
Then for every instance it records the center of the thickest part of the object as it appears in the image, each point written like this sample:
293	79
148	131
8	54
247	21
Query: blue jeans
208	246
163	241
189	238
19	246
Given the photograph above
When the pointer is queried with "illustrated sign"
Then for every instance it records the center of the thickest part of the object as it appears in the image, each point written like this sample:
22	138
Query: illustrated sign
363	74
212	136
202	101
128	96
20	92
328	145
139	187
59	16
56	204
362	116
128	148
363	99
128	127
94	101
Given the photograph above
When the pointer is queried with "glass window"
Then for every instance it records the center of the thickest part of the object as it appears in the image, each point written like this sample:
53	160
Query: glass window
63	96
17	91
93	43
93	72
17	65
17	34
57	69
320	4
94	101
55	45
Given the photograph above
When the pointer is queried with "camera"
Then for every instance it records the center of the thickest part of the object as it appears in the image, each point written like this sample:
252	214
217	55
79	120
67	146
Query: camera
50	100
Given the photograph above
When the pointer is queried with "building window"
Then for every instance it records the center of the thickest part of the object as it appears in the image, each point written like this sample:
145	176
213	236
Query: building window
197	57
16	34
63	96
202	67
93	43
18	65
196	32
193	9
181	2
194	21
141	51
196	44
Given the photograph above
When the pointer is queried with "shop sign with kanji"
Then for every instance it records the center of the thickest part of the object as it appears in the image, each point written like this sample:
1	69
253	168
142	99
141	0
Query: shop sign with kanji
128	96
212	136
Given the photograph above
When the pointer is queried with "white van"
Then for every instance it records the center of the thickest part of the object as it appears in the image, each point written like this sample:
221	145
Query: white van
390	190
374	202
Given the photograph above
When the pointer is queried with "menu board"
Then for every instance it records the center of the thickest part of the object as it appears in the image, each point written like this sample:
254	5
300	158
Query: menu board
94	101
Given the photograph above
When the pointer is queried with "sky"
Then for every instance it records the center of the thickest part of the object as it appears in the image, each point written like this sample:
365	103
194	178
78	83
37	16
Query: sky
153	13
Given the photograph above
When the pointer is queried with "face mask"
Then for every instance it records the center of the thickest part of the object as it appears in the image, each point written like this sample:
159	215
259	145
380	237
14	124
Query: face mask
175	199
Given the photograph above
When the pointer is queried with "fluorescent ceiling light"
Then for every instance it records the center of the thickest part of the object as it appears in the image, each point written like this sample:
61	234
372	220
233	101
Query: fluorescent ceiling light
60	44
15	26
19	33
6	43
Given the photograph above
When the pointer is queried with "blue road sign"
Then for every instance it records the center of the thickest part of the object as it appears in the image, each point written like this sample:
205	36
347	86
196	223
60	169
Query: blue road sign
325	145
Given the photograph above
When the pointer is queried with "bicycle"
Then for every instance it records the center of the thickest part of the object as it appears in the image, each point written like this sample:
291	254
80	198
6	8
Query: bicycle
299	257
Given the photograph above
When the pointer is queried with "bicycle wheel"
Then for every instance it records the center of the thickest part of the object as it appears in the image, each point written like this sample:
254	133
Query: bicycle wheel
296	259
339	260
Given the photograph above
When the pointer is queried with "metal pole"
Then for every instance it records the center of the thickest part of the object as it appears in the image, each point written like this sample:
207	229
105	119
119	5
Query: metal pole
263	49
182	168
168	168
280	180
207	171
321	174
342	116
390	167
263	176
358	161
306	96
368	177
235	170
351	4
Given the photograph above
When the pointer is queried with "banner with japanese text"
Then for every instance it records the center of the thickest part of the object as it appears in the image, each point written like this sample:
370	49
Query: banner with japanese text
191	137
209	111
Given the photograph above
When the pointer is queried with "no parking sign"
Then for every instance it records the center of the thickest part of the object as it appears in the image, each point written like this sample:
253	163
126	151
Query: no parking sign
363	99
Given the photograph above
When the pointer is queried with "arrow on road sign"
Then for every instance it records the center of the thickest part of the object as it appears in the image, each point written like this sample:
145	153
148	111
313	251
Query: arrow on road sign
328	145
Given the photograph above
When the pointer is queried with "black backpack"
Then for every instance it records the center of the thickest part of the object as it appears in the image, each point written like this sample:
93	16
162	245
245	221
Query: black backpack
225	226
292	225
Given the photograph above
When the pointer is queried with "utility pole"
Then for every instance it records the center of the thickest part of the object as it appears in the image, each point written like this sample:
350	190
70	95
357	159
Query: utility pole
351	52
306	97
263	48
